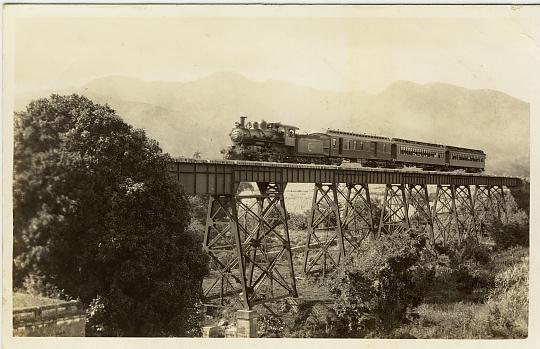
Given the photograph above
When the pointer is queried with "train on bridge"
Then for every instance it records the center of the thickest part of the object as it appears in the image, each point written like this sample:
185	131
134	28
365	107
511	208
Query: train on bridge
277	142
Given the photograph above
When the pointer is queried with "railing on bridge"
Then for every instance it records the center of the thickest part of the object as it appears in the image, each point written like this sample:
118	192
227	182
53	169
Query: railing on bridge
247	236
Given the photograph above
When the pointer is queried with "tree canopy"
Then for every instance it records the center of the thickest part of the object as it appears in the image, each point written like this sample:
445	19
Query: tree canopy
96	216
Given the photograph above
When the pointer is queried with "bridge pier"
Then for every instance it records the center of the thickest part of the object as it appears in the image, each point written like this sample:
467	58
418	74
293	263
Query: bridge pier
420	216
324	241
483	206
489	202
247	239
334	229
465	214
445	215
499	203
395	210
357	218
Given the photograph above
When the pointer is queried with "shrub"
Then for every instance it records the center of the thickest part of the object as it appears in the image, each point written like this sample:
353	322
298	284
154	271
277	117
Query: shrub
469	249
515	233
298	221
464	268
380	286
522	196
509	302
472	277
199	206
270	326
503	315
315	320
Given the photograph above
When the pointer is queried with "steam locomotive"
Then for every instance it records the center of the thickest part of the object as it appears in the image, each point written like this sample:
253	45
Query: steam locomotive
277	142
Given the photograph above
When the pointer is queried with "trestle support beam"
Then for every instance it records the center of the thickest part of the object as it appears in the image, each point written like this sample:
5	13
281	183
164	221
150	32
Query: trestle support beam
340	219
247	236
247	239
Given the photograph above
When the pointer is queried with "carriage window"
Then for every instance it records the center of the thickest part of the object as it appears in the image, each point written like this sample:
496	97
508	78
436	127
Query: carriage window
333	142
351	144
345	145
384	148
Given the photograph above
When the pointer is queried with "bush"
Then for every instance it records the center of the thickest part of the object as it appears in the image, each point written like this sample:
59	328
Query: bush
380	286
472	277
464	268
509	302
522	196
270	326
199	207
514	233
503	315
298	221
97	217
316	320
470	249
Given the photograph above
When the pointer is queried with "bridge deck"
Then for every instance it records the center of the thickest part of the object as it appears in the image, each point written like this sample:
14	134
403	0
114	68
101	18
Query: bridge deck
222	176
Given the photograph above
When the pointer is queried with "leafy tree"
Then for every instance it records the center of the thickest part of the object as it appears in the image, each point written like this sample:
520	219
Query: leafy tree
96	215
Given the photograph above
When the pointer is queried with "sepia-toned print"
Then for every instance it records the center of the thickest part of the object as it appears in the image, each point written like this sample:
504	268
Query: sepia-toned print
283	171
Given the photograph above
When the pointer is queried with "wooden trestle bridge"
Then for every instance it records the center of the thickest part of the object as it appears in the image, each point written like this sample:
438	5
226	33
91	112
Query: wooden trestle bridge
247	236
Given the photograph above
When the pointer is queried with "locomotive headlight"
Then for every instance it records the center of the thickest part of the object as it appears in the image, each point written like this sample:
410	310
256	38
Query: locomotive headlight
237	135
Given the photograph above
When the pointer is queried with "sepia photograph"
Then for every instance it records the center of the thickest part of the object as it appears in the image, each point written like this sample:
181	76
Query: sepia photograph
262	171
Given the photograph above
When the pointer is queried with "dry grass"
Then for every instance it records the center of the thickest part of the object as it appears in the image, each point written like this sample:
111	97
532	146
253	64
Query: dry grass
503	315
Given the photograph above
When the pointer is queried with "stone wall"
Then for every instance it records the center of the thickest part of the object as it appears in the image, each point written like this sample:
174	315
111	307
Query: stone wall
66	319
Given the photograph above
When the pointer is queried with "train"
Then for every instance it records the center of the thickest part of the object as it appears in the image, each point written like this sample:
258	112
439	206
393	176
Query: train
277	142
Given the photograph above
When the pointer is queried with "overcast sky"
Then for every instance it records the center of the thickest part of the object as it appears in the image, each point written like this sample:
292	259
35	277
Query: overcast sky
333	48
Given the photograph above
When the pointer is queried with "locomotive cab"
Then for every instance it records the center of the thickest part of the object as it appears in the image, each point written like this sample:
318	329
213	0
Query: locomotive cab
288	132
290	135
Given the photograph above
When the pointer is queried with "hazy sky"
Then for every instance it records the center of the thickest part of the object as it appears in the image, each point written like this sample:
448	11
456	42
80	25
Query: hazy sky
334	48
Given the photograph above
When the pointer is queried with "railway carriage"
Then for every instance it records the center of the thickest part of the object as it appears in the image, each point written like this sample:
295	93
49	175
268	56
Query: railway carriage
457	158
281	143
369	150
428	156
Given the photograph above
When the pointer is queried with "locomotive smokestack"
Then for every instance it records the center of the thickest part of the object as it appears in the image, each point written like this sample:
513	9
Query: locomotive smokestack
243	121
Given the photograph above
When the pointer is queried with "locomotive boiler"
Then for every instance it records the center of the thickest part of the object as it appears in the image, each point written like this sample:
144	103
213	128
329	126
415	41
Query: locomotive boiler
277	142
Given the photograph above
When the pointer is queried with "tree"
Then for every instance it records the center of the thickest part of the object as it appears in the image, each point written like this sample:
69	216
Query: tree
96	215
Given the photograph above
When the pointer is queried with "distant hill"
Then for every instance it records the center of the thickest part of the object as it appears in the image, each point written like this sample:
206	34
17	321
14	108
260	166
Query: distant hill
186	117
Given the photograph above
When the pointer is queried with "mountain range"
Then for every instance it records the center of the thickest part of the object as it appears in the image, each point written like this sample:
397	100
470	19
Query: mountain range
196	116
